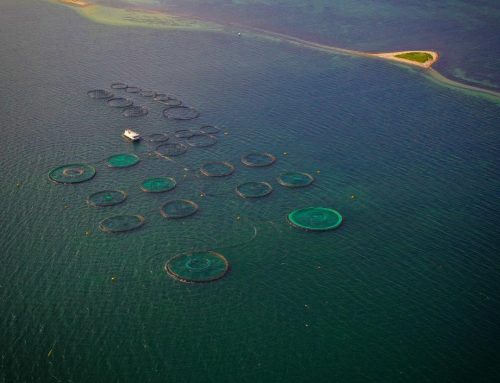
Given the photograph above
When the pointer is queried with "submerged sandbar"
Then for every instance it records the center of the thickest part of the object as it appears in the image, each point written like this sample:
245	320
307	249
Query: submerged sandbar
132	16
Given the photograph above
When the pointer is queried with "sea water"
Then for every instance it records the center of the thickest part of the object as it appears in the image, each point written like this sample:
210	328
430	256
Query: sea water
405	290
466	34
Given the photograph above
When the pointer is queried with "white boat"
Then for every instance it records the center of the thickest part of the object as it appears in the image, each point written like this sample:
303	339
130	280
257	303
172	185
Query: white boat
131	135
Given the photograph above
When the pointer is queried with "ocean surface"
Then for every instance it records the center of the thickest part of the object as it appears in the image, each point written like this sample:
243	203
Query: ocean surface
406	290
466	34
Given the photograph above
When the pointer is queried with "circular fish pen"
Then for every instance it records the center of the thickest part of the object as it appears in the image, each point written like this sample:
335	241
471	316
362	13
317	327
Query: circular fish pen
147	93
158	184
120	102
181	113
170	101
201	140
254	189
183	133
171	149
315	218
257	159
100	94
135	111
217	169
161	97
106	198
209	129
121	223
158	137
123	160
132	89
295	179
179	208
72	173
119	85
197	267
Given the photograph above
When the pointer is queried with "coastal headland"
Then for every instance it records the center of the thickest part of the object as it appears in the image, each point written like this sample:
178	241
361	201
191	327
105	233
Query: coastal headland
139	16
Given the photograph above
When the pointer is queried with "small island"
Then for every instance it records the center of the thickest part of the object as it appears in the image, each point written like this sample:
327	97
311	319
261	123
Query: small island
423	59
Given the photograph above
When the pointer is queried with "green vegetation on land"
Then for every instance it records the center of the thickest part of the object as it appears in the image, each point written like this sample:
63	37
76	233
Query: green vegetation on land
420	57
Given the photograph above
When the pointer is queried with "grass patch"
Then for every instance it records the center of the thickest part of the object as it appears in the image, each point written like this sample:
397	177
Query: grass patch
420	57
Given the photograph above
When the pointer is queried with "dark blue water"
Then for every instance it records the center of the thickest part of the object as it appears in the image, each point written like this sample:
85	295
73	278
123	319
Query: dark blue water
405	290
466	34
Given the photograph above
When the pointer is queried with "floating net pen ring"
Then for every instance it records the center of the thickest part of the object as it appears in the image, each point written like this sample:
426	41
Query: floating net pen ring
253	189
217	169
209	129
183	133
158	184
295	179
160	97
100	94
170	102
201	140
256	159
132	89
158	137
315	218
147	93
120	102
72	173
123	160
118	85
121	223
180	113
171	149
135	111
106	198
197	267
179	208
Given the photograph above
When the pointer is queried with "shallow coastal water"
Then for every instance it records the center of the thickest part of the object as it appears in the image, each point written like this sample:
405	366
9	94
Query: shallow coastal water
405	290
